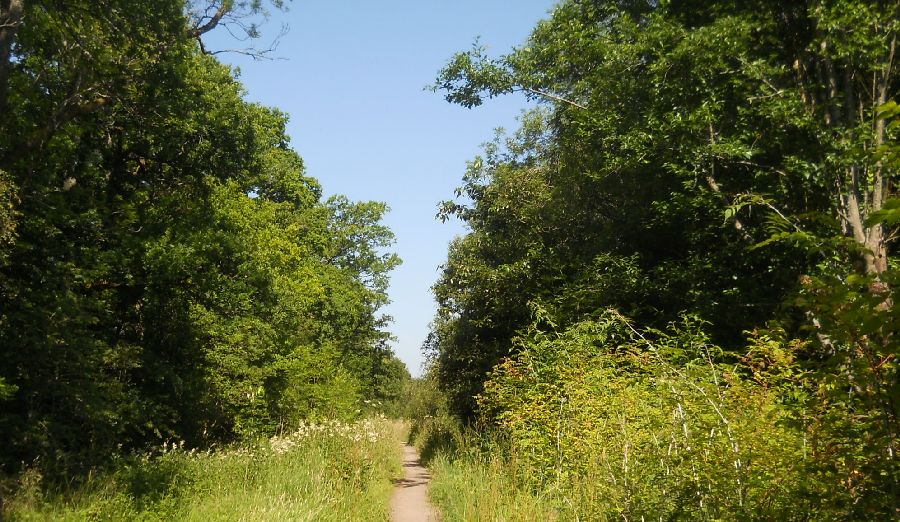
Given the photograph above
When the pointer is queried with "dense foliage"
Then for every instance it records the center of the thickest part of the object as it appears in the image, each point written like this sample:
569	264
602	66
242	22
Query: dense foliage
726	165
167	268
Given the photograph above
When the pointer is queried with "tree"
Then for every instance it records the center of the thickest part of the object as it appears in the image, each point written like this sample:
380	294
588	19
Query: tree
167	268
11	12
662	118
657	129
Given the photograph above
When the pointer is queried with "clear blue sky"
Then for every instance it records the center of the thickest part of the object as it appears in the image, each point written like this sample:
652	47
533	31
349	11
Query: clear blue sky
352	79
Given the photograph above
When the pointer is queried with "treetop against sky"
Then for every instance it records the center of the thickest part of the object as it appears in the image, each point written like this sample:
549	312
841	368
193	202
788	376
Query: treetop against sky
352	76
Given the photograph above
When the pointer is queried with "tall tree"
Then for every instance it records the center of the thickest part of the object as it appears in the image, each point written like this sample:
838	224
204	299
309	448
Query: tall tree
665	117
167	268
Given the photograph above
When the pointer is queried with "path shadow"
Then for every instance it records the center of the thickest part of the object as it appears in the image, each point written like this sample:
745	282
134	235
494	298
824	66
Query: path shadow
410	483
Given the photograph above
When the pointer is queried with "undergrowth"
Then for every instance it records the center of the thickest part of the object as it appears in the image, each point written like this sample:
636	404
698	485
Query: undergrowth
604	422
473	475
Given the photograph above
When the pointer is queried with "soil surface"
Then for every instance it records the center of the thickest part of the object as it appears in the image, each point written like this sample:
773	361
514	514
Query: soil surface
410	502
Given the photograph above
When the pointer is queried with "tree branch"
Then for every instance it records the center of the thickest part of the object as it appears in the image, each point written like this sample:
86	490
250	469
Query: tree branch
196	32
714	186
551	96
256	54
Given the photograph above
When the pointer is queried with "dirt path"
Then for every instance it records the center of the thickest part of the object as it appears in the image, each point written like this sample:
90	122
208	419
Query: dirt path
410	502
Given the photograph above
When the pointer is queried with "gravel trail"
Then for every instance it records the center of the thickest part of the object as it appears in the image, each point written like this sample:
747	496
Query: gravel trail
410	501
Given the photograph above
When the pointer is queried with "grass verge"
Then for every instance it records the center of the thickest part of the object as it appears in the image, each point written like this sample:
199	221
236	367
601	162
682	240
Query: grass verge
329	471
473	479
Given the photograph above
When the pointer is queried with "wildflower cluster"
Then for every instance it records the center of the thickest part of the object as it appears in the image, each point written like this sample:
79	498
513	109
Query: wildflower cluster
368	430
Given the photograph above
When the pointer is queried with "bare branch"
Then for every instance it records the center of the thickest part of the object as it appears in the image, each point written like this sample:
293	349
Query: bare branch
239	19
256	54
551	96
212	22
252	52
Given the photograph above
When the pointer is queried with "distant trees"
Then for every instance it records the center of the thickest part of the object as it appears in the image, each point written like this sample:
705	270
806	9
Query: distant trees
167	268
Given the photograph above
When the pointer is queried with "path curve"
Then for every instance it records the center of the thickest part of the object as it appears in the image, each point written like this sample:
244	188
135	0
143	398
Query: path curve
410	501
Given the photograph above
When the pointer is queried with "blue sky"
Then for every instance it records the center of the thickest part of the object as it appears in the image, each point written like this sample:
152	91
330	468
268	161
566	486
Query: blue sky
352	76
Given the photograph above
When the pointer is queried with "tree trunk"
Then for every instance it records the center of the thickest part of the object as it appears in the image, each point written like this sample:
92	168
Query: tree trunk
11	12
861	189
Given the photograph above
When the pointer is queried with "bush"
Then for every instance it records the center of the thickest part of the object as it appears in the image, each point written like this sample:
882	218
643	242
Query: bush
621	423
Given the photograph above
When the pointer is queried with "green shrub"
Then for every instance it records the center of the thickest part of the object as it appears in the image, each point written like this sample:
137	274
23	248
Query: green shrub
621	423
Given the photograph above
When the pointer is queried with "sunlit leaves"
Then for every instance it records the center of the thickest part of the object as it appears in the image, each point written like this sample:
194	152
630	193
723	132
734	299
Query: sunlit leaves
169	269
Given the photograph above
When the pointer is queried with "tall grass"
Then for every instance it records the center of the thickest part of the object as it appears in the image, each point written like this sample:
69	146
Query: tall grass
475	477
481	487
329	471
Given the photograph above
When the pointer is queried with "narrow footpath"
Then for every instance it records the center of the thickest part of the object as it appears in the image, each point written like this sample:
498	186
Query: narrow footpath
410	501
